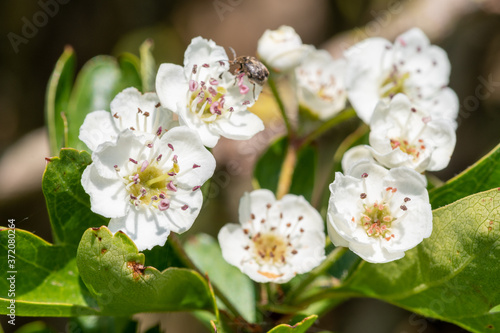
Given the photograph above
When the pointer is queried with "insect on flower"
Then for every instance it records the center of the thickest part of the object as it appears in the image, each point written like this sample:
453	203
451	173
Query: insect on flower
256	72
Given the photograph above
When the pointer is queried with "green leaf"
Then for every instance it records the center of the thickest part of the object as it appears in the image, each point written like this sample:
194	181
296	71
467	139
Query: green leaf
114	272
304	174
300	327
130	68
268	168
100	79
67	203
482	176
205	252
35	327
148	65
46	282
453	275
98	324
57	98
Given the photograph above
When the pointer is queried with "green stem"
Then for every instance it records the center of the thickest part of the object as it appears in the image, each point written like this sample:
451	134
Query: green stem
65	124
320	270
326	294
341	117
179	250
277	97
348	142
286	173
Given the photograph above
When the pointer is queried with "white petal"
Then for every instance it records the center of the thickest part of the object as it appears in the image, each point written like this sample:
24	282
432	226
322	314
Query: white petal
366	65
282	49
190	150
336	239
232	241
354	155
177	219
128	145
255	202
293	207
202	51
98	127
208	136
444	104
172	86
441	134
374	254
143	227
127	104
311	252
108	197
240	125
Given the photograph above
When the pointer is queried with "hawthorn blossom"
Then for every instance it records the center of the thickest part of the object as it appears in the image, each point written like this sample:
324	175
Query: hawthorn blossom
141	113
207	97
320	84
147	185
276	239
403	135
282	49
378	213
378	70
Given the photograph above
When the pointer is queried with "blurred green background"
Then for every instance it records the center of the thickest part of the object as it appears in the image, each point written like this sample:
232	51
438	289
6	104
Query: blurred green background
468	30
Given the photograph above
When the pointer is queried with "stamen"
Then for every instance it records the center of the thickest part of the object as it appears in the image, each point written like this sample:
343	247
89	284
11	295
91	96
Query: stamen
244	89
164	204
132	160
171	186
170	146
195	166
145	164
184	207
193	85
196	187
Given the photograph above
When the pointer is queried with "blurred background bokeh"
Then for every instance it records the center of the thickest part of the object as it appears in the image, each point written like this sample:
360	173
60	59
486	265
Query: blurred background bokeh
468	30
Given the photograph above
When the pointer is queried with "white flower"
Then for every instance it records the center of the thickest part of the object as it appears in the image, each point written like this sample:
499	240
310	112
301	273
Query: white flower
130	109
378	213
403	135
207	97
149	186
320	84
275	240
282	49
354	155
378	70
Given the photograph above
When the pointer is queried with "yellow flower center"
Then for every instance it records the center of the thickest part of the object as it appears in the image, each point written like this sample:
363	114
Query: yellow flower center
271	248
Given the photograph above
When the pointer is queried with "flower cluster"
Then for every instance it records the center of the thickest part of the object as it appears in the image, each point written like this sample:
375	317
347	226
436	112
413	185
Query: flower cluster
401	91
207	96
276	239
380	207
150	160
148	168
